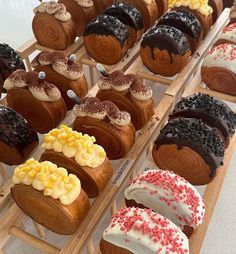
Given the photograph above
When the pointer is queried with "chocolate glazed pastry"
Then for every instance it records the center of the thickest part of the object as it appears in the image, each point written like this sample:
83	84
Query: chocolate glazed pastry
129	94
187	23
64	73
82	12
9	62
131	17
111	127
165	50
106	39
17	140
39	102
191	149
211	111
217	6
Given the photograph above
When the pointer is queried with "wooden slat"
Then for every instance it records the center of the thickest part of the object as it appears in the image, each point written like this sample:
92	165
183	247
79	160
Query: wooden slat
27	48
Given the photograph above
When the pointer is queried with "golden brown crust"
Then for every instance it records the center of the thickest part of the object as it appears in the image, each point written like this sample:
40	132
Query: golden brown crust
50	212
162	6
101	5
109	248
217	6
93	180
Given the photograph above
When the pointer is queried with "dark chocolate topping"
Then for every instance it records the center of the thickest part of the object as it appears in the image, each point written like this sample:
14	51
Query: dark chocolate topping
185	21
127	14
166	37
14	130
198	136
212	111
108	25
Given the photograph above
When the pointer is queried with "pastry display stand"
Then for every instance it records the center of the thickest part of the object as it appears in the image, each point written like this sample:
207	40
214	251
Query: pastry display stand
12	217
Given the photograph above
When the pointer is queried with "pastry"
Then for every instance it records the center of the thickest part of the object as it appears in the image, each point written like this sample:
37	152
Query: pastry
82	12
17	140
101	5
106	39
128	94
148	10
131	17
228	3
80	156
52	26
168	195
191	149
211	111
228	35
50	196
38	101
217	7
165	50
219	69
63	72
200	9
9	62
142	231
111	127
232	15
162	6
187	23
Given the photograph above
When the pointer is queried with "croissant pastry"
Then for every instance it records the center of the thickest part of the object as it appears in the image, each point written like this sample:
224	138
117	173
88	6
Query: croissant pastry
17	140
191	149
128	94
52	26
111	127
64	73
80	156
38	101
50	196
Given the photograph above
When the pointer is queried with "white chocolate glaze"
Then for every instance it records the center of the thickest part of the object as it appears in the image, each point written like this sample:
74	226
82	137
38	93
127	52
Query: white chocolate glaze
229	33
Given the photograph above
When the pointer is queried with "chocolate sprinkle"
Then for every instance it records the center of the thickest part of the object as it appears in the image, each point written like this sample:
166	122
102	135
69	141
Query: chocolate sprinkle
108	25
166	37
14	130
198	136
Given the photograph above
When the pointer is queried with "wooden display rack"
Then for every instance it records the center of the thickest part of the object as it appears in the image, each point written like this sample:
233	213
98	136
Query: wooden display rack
11	221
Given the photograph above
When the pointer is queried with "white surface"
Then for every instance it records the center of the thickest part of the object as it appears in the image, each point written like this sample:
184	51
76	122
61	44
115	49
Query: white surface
15	29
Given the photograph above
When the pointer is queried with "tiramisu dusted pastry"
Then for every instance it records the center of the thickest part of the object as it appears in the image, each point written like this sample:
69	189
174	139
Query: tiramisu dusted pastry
53	26
131	17
165	50
128	94
17	140
200	9
80	156
63	72
106	39
142	231
111	127
148	10
217	7
187	23
228	35
50	196
9	62
219	69
38	101
82	12
191	149
211	111
169	195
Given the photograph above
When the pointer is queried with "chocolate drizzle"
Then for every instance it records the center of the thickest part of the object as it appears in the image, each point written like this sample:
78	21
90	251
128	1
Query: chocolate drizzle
212	111
14	130
185	21
108	25
166	38
127	14
198	136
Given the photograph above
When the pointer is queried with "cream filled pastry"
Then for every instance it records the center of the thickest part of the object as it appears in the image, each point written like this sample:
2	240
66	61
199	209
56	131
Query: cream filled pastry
80	155
129	94
111	127
143	231
219	69
38	101
44	186
63	72
169	195
53	26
